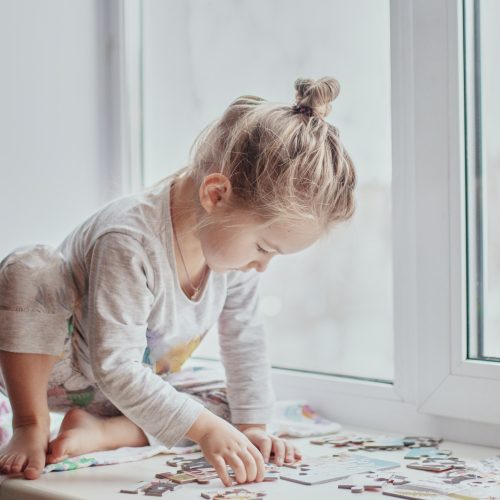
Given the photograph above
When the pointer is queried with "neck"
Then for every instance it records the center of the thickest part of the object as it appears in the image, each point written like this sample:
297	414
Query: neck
184	219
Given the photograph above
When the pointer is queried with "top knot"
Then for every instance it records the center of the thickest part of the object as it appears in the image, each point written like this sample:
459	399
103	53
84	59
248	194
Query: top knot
314	97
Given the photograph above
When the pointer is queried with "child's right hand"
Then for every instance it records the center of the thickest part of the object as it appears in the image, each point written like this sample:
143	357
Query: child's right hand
222	444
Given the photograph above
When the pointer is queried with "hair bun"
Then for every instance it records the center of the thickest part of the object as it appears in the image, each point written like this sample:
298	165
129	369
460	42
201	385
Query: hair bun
317	94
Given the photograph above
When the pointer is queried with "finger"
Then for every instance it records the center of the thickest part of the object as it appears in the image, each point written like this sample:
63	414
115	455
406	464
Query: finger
220	467
250	466
265	448
259	462
297	453
239	470
279	451
289	452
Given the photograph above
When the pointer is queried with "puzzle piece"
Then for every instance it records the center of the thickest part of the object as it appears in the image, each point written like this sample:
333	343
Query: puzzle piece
176	461
317	470
233	494
372	482
410	494
385	444
178	477
457	477
136	488
293	465
196	463
341	441
438	464
430	466
427	452
422	441
158	489
359	488
201	471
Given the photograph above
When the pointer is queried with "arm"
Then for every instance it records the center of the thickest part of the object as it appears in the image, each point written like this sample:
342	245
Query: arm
121	281
244	353
245	358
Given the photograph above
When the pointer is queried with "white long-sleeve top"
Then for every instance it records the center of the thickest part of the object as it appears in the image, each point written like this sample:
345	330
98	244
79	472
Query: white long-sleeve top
133	323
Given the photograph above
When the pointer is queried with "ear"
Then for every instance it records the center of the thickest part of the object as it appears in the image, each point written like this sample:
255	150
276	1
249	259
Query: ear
214	192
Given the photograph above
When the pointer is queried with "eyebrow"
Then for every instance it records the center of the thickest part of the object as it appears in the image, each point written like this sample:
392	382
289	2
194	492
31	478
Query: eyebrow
274	247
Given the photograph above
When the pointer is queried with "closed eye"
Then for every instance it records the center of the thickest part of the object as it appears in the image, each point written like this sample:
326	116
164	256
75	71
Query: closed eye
260	249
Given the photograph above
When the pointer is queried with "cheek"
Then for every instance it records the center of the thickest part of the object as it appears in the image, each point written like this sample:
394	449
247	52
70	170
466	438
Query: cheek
221	251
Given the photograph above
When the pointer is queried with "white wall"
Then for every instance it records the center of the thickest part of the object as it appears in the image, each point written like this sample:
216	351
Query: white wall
55	140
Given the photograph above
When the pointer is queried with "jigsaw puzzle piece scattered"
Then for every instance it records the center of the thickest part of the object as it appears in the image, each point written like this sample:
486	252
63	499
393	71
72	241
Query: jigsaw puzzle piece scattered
136	488
233	494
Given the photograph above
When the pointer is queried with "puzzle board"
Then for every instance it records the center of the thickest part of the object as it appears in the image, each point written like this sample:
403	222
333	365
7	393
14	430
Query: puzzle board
317	470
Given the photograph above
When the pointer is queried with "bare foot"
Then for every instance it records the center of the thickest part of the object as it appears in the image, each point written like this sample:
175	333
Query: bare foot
80	433
26	451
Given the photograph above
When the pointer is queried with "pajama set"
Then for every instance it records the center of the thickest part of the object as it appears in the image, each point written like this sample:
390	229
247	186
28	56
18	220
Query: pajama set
108	302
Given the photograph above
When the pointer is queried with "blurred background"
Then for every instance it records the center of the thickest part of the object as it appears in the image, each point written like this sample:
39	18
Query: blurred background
71	71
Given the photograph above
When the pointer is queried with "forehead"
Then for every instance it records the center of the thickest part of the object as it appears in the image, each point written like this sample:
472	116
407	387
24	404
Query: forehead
290	237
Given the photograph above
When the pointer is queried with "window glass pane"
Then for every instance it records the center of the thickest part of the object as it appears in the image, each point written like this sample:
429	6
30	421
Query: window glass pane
482	76
490	124
328	309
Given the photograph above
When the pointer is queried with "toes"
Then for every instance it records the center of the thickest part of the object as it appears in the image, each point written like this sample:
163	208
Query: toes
58	450
3	458
34	468
6	466
18	464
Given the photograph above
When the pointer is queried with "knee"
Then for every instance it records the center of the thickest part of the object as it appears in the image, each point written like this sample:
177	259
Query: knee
36	277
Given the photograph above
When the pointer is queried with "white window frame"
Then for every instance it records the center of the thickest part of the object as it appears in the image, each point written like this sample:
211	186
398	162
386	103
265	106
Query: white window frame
436	389
123	28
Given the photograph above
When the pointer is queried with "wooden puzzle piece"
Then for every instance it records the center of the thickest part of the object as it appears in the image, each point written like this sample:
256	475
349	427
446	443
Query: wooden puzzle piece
136	488
196	463
233	494
372	482
383	444
293	465
422	441
428	452
158	488
176	461
341	441
201	471
416	495
178	477
430	466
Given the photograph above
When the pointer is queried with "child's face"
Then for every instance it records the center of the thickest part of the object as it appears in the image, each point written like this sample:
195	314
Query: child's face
251	246
241	242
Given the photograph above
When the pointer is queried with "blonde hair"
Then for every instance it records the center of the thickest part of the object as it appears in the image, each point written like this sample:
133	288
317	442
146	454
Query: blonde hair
284	162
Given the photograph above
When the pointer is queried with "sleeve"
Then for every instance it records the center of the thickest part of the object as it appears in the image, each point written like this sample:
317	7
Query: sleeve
120	300
244	352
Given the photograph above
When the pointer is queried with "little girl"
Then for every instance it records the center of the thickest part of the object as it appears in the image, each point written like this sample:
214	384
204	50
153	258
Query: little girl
101	321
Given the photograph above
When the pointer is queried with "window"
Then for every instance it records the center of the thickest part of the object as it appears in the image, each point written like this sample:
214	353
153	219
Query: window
483	177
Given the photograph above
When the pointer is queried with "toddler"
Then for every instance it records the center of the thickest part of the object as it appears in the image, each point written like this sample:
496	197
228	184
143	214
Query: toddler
94	327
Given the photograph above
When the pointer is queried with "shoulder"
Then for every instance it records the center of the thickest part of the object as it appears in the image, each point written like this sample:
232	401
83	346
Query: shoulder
141	215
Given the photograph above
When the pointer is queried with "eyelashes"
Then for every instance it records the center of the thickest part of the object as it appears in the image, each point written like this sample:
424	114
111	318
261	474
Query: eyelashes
260	249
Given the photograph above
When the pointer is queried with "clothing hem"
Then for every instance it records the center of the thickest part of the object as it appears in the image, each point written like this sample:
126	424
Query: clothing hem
33	332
